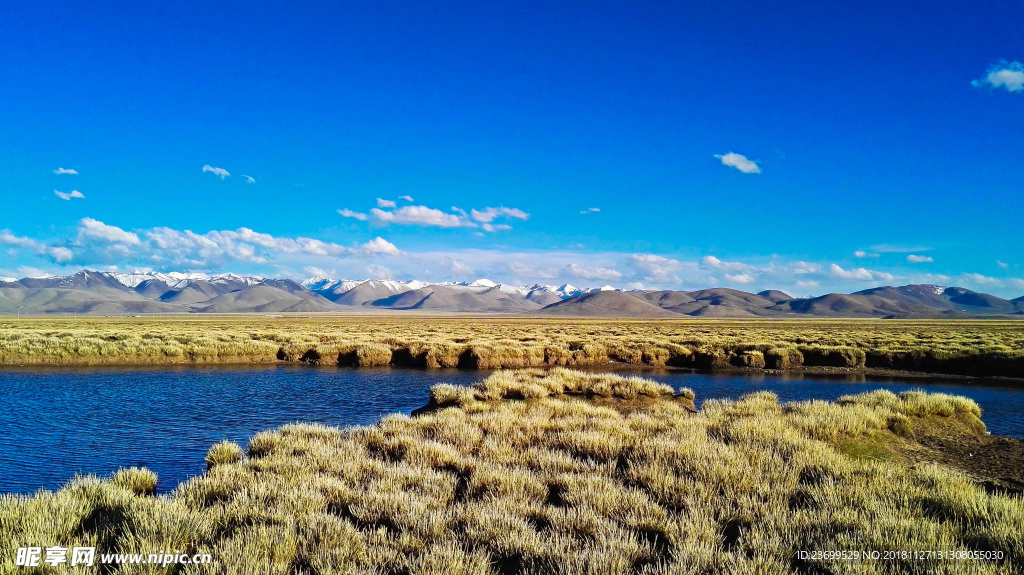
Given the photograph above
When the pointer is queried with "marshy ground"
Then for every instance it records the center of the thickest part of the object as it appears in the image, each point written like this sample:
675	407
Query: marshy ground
560	471
969	348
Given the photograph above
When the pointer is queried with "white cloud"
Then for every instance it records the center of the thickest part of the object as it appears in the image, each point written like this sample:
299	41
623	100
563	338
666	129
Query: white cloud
864	254
8	238
249	179
916	259
1003	74
425	216
654	268
456	268
593	273
377	271
979	279
715	263
68	195
406	198
1003	265
220	172
380	246
1016	283
489	214
740	162
591	211
803	268
520	270
740	278
89	228
59	171
350	214
59	254
495	227
417	215
859	274
313	271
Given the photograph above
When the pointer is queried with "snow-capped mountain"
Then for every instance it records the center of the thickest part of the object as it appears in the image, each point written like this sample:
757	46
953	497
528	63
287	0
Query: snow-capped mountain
324	286
176	292
178	280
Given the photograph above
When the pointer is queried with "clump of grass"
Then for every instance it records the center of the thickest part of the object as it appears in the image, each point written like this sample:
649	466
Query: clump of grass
783	358
373	355
594	474
138	480
751	359
222	453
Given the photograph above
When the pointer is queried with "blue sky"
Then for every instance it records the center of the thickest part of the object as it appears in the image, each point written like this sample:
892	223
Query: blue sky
811	147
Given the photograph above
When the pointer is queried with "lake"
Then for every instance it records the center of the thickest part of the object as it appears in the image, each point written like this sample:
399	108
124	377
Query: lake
60	422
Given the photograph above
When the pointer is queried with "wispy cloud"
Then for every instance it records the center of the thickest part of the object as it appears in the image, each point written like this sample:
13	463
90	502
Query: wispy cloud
593	272
59	171
356	215
489	214
1003	265
859	274
865	254
249	179
899	248
591	211
655	268
982	280
387	212
715	263
740	162
68	195
1003	74
916	259
220	172
8	238
406	198
740	278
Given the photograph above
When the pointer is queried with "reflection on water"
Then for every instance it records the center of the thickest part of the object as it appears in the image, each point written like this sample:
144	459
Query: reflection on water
59	422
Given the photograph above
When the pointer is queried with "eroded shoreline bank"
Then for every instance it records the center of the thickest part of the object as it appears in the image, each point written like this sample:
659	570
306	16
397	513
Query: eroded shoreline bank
891	347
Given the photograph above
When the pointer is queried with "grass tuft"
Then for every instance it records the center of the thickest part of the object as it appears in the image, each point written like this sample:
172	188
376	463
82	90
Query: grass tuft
138	480
222	453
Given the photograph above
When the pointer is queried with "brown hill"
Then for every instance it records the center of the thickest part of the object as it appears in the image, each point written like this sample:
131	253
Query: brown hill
606	304
264	299
775	295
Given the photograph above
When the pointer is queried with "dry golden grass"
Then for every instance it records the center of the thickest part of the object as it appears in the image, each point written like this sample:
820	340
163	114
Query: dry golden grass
586	474
965	347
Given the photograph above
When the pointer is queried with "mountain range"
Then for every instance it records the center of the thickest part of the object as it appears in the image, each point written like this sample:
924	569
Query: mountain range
113	293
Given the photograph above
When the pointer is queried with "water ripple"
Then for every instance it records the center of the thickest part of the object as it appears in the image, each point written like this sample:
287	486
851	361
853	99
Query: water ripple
61	422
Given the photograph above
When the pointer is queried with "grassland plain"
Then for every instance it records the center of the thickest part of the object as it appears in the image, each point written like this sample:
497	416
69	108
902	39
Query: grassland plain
563	472
984	348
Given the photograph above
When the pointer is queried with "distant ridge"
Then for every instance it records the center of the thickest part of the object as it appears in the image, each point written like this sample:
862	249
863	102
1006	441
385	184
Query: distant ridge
112	293
606	304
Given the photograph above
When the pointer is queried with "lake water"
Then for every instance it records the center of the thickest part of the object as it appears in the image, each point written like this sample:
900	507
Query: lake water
56	423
